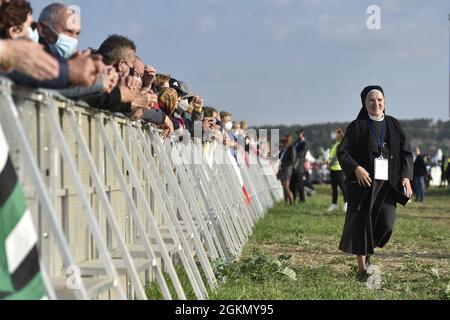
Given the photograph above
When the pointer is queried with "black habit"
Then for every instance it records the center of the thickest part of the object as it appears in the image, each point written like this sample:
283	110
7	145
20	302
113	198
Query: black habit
372	211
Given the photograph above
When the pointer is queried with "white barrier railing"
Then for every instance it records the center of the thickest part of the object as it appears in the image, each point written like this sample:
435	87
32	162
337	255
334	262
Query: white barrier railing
114	206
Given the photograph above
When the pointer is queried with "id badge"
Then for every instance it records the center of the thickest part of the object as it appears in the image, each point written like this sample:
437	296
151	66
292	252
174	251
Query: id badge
382	169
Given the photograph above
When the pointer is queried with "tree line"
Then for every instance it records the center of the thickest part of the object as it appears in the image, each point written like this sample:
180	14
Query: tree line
425	133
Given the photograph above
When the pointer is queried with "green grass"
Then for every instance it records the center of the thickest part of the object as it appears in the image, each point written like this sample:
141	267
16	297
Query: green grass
415	264
154	292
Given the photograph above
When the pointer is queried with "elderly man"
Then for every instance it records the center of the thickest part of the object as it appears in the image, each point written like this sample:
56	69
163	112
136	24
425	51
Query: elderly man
59	29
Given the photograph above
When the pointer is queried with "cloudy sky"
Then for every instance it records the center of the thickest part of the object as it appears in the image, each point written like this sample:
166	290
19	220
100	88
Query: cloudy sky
288	61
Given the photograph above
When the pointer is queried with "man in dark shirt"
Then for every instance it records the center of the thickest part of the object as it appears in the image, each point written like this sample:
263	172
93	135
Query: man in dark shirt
297	181
420	172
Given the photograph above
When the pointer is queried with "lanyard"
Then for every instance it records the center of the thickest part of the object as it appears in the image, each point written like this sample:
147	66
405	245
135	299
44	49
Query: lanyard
378	139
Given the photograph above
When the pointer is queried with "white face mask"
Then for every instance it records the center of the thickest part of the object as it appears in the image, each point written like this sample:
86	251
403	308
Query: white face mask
65	47
229	126
33	35
183	106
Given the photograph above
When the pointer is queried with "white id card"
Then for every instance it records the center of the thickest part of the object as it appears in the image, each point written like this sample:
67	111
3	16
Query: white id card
382	169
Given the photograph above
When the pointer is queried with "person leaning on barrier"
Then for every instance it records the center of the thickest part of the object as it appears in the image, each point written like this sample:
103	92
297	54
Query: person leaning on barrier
16	20
168	100
22	60
227	129
190	106
143	106
244	130
377	160
211	126
119	52
59	29
161	81
16	17
145	99
185	112
194	113
27	59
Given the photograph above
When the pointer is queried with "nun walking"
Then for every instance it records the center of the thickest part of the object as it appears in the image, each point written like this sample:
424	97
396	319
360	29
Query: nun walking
377	160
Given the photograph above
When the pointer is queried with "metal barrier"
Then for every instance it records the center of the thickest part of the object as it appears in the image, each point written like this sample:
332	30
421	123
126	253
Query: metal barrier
115	207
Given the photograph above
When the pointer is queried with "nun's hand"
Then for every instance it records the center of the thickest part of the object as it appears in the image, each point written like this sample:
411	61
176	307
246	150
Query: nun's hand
363	177
407	184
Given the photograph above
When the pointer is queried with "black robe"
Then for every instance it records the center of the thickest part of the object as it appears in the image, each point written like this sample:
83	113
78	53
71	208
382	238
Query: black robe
371	211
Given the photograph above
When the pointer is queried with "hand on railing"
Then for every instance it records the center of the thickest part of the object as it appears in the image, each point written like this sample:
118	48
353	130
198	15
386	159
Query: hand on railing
29	58
110	79
128	89
167	128
145	99
83	69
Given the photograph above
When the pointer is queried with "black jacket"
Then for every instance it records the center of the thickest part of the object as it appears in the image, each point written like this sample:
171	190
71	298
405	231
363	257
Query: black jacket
287	158
354	151
420	168
111	102
301	149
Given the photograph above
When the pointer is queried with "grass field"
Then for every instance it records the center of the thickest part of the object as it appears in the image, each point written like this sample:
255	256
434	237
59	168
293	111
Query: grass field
293	255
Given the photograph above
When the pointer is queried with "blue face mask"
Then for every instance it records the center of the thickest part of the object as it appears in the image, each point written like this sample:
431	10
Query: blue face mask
65	47
33	35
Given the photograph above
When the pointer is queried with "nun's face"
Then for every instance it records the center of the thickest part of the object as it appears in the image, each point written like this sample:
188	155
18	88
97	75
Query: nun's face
375	104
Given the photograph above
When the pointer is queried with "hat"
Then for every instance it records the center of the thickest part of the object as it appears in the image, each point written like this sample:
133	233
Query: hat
177	85
300	131
185	89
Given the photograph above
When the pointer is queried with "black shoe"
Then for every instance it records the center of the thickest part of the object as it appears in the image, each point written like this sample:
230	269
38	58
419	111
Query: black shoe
362	276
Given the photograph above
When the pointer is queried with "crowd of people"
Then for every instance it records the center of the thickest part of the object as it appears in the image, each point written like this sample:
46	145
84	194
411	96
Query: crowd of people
112	77
326	170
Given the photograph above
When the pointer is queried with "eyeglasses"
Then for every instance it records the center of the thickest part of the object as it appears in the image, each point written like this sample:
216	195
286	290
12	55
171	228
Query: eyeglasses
131	67
136	74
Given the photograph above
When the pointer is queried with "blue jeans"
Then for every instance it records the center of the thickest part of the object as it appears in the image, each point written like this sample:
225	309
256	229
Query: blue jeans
420	188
